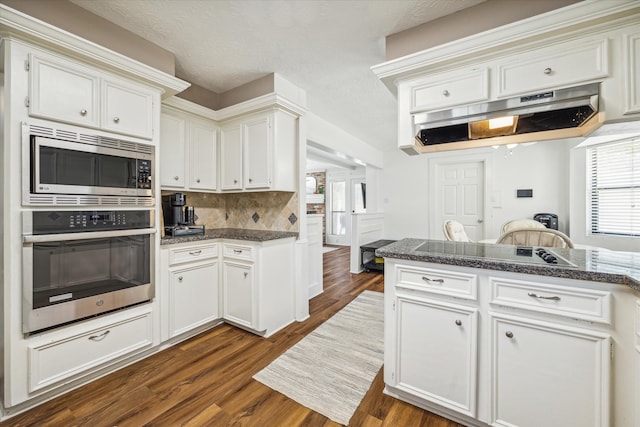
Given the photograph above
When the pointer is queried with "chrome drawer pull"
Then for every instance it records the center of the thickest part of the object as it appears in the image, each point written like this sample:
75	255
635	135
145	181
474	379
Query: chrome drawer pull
554	298
509	334
459	322
99	337
237	251
196	253
426	279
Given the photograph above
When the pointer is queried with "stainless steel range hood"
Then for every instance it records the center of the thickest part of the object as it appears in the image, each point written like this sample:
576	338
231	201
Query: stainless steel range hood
555	114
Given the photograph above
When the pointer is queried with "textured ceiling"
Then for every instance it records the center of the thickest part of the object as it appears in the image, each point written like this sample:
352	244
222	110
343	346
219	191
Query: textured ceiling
325	47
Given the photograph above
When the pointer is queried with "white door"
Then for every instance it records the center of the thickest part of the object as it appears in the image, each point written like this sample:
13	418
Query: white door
337	209
460	197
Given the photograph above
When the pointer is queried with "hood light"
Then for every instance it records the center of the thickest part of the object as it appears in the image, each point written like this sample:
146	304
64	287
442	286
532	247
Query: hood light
501	126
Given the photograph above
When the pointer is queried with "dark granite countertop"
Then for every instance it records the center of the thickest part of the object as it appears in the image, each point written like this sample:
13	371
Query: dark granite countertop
231	233
583	264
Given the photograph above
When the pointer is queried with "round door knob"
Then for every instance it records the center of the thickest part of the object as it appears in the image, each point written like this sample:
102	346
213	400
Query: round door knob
116	119
509	334
176	177
198	180
235	181
548	70
459	322
180	279
250	180
445	92
83	112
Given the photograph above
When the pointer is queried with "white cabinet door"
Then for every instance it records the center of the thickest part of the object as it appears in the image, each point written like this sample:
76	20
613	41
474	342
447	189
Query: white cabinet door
547	375
127	109
193	294
63	91
239	295
231	157
202	152
632	73
258	157
172	151
436	352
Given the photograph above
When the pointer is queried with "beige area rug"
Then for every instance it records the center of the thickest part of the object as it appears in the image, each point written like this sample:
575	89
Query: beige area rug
331	369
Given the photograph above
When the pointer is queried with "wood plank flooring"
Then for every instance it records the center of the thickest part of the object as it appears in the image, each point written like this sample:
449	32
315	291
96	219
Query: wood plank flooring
207	380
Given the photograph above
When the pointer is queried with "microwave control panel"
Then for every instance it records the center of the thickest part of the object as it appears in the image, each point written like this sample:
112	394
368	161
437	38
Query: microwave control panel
144	174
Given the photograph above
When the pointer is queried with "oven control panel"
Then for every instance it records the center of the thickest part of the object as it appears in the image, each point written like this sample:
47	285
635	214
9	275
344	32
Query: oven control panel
50	222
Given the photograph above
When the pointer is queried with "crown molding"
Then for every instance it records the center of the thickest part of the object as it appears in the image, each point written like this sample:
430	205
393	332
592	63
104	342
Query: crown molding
22	27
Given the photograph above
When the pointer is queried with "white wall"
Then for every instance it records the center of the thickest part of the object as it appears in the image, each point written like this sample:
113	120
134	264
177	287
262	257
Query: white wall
542	167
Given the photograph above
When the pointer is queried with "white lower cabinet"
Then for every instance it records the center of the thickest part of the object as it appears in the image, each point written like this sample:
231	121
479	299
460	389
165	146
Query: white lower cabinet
190	287
258	284
58	357
547	375
193	291
437	363
239	294
514	350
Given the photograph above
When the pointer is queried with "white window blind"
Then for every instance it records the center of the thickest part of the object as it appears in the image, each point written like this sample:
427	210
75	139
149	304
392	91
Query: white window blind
615	188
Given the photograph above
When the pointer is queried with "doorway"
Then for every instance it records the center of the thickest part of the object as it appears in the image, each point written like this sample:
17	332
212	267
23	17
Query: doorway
346	195
457	189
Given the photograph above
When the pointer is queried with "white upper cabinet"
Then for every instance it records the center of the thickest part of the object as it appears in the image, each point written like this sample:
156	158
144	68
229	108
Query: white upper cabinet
63	91
203	156
631	55
188	151
231	157
258	152
172	150
450	89
553	67
258	160
66	91
127	109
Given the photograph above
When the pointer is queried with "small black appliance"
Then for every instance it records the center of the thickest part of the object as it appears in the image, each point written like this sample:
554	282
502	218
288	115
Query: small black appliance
548	219
172	206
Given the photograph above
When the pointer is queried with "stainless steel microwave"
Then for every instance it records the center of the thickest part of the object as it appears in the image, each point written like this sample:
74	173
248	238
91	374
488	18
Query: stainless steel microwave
98	167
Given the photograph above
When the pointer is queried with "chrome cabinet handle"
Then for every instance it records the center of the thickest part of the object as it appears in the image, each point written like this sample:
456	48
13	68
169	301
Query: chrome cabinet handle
99	337
116	119
83	112
237	251
235	181
196	253
176	177
180	279
445	92
547	71
509	334
426	279
553	298
459	322
250	180
198	180
245	274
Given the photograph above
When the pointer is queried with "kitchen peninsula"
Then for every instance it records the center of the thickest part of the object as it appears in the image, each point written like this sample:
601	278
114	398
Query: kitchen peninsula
493	335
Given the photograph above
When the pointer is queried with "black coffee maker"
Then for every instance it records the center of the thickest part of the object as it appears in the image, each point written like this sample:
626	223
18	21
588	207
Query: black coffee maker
173	209
179	220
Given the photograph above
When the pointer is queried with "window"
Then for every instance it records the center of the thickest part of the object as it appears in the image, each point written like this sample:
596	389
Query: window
615	188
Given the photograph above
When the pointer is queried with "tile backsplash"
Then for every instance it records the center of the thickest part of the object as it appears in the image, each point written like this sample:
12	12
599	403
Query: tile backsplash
272	210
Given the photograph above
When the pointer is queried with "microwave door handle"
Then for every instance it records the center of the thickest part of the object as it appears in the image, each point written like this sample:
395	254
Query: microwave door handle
41	238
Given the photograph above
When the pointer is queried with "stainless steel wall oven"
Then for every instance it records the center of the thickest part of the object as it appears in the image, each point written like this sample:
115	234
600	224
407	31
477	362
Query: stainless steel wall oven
78	264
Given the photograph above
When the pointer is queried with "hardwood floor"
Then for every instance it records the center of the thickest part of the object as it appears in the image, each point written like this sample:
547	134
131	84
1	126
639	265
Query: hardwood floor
207	380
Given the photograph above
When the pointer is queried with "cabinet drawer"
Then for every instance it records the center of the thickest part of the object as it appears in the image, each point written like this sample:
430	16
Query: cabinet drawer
238	251
445	91
441	282
576	303
54	361
554	67
192	253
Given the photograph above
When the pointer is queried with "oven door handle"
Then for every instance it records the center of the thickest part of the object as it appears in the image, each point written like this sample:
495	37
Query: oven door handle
41	238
